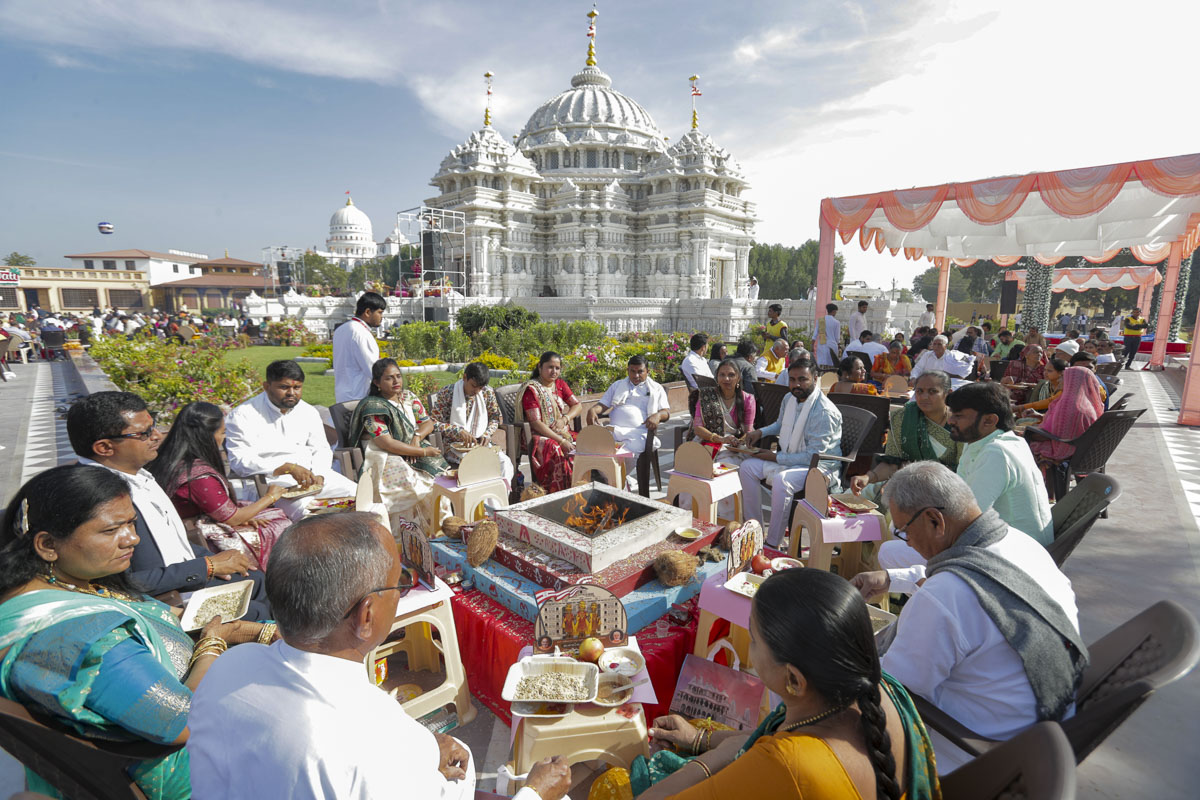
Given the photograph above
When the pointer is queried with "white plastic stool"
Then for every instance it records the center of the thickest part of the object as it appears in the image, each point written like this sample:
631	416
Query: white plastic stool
419	609
707	483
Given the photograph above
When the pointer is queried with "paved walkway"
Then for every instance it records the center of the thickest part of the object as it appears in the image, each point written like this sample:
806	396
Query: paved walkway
1148	549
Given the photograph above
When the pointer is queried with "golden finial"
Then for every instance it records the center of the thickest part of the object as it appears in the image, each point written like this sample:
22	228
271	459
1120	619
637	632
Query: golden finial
591	58
487	111
227	252
695	93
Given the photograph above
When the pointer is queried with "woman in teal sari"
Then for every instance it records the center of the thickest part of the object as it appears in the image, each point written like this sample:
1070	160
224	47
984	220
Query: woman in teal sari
917	432
78	643
391	424
844	731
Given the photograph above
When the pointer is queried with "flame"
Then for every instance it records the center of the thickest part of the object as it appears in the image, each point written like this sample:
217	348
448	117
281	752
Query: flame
591	518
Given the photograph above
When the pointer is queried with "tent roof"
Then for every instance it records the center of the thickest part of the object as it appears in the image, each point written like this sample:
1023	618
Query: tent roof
1080	279
1091	212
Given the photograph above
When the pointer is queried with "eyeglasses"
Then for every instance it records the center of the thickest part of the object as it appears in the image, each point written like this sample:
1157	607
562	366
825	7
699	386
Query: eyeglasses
901	534
404	587
140	435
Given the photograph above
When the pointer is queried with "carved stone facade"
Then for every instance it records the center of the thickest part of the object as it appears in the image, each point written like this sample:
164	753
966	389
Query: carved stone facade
592	202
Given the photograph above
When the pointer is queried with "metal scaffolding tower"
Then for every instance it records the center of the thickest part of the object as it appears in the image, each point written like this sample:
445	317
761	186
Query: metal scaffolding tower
436	263
281	258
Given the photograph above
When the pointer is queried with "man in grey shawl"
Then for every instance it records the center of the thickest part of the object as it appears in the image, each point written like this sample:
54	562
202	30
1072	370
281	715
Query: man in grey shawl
991	636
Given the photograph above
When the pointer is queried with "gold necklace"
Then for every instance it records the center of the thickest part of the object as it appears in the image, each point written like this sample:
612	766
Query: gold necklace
813	720
91	588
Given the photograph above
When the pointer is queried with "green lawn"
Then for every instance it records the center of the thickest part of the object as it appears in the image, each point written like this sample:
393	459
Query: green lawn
318	387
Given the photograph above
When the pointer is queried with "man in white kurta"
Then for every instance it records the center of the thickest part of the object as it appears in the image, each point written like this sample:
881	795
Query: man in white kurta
277	434
858	322
927	319
696	361
637	405
355	350
947	648
752	289
937	357
829	338
300	719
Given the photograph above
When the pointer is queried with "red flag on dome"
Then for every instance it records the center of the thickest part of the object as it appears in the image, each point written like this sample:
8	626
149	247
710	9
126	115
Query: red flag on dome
696	92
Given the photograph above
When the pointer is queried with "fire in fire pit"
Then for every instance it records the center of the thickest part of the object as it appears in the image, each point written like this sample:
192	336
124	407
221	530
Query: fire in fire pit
592	512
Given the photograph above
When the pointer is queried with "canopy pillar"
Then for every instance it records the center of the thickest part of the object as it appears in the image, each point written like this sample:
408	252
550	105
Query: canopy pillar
824	272
1189	408
943	290
1166	307
1145	292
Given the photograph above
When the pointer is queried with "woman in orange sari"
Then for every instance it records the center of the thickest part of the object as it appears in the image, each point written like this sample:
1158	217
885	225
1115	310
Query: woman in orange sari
852	377
549	405
893	362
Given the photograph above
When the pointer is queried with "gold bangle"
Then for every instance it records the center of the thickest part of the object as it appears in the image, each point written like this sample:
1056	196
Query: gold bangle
211	641
267	634
703	766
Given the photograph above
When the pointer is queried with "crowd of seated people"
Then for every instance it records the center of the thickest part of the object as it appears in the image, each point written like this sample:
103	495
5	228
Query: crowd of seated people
157	512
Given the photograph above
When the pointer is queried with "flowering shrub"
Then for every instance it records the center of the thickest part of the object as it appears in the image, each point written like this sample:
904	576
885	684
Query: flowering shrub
319	351
288	332
495	361
168	376
431	362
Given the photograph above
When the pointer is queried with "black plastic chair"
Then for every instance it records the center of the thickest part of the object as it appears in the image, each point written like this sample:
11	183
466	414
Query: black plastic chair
1112	368
1076	513
80	768
1036	764
996	369
1156	648
52	344
1092	449
769	401
880	406
1120	403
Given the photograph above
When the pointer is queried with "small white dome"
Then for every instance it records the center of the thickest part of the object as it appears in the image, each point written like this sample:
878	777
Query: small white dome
350	232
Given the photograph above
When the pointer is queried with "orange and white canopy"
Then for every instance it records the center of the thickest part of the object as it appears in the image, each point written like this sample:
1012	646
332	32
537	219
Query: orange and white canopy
1104	278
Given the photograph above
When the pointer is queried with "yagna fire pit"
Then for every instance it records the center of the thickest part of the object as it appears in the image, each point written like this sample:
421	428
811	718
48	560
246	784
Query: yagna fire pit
591	525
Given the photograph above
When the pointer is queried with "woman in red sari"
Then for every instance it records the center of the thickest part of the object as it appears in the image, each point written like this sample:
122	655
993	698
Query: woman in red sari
191	471
549	405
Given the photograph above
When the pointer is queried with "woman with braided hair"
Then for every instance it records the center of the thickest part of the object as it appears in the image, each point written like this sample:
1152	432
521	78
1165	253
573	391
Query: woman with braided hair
844	731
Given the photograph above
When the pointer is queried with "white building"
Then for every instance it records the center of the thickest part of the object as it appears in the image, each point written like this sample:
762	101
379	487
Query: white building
352	240
159	267
593	202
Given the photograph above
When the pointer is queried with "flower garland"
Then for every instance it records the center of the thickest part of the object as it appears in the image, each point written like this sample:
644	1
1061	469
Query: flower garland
1039	279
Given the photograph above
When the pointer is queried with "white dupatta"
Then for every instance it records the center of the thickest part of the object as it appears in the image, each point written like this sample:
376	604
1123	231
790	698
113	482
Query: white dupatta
468	413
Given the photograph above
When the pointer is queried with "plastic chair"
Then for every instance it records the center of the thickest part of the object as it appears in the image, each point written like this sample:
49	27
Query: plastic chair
1076	513
86	769
703	381
1121	402
1157	647
1112	368
1036	764
996	369
828	380
52	344
1093	448
769	399
507	398
880	406
351	458
596	451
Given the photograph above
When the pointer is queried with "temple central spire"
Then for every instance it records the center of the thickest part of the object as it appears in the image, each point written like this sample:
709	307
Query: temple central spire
591	54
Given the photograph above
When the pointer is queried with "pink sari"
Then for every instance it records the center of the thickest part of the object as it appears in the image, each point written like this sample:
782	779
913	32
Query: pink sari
202	498
1077	407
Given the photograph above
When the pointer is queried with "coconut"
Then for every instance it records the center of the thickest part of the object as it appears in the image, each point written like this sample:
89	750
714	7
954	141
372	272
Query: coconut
675	567
482	542
725	537
452	526
532	491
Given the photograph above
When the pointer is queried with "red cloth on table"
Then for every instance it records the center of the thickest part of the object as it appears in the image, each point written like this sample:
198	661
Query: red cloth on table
490	638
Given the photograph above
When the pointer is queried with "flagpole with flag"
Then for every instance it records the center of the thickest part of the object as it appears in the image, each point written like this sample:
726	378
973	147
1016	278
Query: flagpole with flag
695	93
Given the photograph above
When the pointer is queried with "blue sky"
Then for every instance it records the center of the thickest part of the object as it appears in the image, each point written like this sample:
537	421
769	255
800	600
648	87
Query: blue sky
213	124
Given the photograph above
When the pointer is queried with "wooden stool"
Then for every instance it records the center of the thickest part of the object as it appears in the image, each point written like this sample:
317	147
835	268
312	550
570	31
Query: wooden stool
827	533
597	449
590	732
420	611
696	475
478	480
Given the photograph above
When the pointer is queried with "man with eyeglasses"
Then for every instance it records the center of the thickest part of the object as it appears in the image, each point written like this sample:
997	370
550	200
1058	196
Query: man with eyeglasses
299	720
991	633
115	430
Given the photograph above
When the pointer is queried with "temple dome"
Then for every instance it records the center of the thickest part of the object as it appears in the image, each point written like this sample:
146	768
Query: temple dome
591	103
350	219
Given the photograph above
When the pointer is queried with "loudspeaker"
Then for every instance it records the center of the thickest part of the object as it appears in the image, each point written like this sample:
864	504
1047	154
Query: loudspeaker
433	251
284	270
1008	297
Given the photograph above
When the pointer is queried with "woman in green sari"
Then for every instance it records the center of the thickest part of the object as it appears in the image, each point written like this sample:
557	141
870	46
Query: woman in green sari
79	644
844	731
917	432
391	424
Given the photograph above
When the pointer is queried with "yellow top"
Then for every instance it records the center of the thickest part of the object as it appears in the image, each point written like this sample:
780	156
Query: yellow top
774	364
1134	326
782	767
775	329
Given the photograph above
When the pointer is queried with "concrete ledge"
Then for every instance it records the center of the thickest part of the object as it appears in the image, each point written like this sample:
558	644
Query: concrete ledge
90	375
